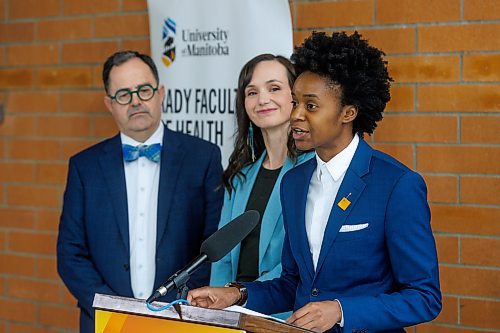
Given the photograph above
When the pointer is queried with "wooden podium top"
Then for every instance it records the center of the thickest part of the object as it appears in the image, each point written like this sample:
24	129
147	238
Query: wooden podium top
212	317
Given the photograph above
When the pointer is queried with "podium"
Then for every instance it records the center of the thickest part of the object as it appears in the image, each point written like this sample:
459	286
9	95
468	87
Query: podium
115	314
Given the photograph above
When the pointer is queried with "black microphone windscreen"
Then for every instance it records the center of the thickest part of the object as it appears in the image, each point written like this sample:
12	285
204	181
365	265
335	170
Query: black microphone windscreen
223	240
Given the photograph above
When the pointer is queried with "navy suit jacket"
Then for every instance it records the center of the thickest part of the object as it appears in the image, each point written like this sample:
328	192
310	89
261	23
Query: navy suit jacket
378	256
93	243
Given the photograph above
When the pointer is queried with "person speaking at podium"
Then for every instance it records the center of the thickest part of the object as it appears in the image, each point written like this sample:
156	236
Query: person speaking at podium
137	206
359	254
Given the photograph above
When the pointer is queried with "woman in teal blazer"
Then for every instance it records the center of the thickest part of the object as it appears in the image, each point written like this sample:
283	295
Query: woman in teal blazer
262	145
272	231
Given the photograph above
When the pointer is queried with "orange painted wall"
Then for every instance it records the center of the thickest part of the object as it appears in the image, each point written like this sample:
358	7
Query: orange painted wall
443	121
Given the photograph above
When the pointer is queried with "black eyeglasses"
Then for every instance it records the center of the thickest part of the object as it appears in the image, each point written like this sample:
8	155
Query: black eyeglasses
124	96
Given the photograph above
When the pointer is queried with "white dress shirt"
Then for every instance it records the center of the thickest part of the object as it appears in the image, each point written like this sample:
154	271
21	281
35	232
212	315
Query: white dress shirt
142	177
323	188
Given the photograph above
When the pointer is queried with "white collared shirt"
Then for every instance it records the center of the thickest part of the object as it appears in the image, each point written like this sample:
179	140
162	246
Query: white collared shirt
323	188
142	178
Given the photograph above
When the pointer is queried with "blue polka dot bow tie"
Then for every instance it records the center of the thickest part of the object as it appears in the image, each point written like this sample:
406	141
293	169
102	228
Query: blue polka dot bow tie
151	152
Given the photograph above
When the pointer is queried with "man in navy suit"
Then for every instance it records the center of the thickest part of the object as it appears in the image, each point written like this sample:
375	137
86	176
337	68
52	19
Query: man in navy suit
137	206
359	254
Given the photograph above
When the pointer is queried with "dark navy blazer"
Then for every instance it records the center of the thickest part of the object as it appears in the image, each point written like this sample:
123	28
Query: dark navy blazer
384	271
93	244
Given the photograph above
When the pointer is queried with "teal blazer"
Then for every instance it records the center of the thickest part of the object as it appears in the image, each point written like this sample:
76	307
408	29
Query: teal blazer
272	231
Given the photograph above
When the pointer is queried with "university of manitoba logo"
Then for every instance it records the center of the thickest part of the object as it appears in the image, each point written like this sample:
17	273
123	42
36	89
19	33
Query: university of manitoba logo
168	39
204	42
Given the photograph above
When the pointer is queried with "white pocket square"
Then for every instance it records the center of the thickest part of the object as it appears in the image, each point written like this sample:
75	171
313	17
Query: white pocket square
353	227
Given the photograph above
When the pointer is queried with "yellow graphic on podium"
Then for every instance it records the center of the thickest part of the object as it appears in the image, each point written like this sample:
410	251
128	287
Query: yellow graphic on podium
113	322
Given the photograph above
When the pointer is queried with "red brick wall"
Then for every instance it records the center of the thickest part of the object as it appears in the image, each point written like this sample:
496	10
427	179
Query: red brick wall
51	53
443	121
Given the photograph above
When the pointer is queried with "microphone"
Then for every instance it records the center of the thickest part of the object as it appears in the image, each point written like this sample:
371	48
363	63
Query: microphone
212	249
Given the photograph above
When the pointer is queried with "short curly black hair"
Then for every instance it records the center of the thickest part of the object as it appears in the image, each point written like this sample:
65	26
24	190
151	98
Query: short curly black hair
357	68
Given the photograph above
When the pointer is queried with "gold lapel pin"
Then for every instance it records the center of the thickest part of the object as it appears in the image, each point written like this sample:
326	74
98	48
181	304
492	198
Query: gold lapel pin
344	203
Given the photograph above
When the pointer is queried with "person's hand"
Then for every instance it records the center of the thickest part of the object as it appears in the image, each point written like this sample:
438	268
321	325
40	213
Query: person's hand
317	316
213	297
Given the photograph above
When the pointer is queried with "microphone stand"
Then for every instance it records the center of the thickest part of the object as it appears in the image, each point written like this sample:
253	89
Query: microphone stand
183	276
180	283
178	280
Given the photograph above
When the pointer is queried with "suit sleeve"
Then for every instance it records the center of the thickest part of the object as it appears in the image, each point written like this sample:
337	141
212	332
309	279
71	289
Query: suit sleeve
412	254
277	295
213	204
73	259
273	273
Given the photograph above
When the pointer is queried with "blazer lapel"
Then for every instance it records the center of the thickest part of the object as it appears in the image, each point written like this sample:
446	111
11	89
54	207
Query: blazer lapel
172	155
296	213
243	189
111	163
352	187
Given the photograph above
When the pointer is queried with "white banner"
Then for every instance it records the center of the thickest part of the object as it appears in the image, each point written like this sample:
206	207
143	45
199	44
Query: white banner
200	46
